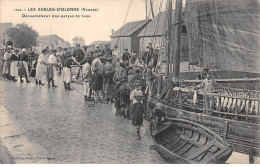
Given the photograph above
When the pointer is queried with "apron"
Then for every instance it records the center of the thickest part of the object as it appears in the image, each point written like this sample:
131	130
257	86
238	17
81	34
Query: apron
14	69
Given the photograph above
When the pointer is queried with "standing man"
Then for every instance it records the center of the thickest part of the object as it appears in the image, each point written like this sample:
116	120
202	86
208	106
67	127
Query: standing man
87	77
59	56
126	56
107	51
98	49
50	68
123	94
97	72
67	70
7	62
133	57
155	56
108	77
116	55
30	58
23	65
79	55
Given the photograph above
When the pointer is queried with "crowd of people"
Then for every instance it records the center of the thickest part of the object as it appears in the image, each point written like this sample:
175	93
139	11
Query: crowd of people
107	75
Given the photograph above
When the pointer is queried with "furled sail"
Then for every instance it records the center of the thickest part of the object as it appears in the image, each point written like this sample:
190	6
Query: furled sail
224	34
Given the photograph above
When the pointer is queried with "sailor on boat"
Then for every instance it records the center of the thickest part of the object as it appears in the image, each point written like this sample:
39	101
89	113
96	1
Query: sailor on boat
208	85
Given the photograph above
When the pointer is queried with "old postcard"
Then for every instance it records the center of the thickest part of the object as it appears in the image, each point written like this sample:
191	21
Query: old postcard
129	81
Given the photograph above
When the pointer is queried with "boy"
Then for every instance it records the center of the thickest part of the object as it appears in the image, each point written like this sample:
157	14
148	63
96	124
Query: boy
158	115
138	114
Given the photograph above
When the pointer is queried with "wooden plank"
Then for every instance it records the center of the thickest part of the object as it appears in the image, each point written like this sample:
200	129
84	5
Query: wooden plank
216	154
174	151
191	141
203	149
226	80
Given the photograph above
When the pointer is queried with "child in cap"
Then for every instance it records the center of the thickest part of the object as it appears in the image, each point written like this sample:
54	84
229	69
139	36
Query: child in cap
138	114
158	115
136	92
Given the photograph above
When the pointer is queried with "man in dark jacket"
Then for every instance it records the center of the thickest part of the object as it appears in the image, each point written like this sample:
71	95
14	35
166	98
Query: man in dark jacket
79	55
126	56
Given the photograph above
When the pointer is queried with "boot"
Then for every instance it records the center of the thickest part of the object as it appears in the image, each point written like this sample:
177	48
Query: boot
13	78
7	76
36	82
52	82
68	84
21	80
65	85
128	115
138	135
49	83
40	82
26	77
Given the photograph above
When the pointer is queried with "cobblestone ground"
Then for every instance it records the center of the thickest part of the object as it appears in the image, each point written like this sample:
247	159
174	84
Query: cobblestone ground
70	131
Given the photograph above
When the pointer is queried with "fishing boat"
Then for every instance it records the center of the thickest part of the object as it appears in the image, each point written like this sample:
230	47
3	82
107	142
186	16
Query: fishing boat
182	141
218	39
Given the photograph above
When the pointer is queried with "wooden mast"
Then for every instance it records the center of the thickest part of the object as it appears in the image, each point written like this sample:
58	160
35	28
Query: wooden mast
177	41
168	35
146	10
151	3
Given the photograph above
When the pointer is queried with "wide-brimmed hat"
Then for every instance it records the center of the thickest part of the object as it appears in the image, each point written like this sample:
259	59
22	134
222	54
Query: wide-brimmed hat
150	65
103	58
159	104
131	71
121	63
139	97
43	51
89	57
109	57
137	83
126	49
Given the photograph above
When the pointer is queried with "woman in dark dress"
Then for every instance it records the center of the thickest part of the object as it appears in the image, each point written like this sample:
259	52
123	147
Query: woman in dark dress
138	114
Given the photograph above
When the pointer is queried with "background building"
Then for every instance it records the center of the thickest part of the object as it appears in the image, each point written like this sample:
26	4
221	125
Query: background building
153	33
126	36
78	40
52	41
101	44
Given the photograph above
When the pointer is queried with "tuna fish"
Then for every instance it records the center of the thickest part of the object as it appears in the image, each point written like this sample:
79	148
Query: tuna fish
217	101
225	102
252	107
239	101
195	97
243	105
229	102
234	103
222	99
257	107
247	106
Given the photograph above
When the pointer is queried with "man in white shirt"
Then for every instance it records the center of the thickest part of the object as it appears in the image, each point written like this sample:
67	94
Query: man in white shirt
52	60
116	55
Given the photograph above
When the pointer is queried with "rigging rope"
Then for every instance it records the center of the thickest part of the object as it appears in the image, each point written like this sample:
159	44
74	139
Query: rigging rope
129	5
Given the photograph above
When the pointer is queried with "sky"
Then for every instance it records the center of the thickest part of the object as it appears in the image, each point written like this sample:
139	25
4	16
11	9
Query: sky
110	15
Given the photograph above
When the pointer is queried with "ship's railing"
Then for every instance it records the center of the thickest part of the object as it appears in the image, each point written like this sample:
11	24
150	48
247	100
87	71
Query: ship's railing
233	106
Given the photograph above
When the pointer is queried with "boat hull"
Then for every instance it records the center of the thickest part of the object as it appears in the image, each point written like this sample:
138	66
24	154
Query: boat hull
243	136
183	142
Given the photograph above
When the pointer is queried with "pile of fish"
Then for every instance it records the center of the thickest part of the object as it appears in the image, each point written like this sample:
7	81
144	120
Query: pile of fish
228	100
